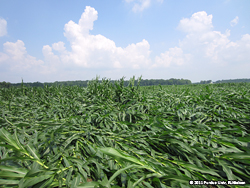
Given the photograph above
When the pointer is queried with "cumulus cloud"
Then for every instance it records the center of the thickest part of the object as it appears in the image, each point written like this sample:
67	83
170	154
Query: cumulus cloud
3	27
202	41
140	5
87	52
235	21
59	46
15	50
3	57
199	22
17	57
49	56
74	31
174	56
201	48
95	51
236	52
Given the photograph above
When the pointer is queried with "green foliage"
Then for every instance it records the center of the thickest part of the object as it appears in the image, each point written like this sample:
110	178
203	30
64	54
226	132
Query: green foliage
205	82
79	83
5	84
117	135
233	81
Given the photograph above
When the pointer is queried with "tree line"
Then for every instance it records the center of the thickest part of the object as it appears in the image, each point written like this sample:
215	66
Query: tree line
80	83
145	82
232	81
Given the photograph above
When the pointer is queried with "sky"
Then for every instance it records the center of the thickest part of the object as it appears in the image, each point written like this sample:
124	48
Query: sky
48	41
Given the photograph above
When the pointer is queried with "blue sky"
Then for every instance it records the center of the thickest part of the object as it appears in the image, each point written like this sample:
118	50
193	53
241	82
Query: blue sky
49	41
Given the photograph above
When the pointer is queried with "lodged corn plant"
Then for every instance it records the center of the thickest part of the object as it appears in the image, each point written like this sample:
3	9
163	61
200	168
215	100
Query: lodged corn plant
111	135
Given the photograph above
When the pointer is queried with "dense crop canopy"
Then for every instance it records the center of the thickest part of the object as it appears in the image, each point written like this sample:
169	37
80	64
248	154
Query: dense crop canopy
109	135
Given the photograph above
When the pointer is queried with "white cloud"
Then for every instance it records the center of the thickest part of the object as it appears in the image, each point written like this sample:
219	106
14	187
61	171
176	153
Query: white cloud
129	1
49	56
95	51
140	5
237	52
3	27
199	22
17	57
15	50
174	56
235	21
199	53
3	57
212	46
75	31
59	46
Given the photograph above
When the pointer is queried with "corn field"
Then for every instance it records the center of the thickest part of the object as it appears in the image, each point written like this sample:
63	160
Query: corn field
110	136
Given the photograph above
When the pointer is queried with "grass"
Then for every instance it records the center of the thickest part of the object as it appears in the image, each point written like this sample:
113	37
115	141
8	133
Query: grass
109	135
